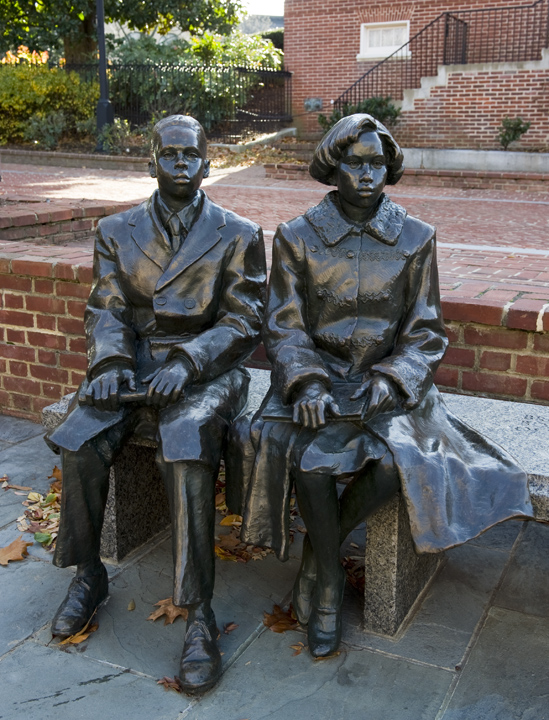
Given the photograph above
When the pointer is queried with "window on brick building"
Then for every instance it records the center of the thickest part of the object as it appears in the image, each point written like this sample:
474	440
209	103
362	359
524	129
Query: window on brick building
379	40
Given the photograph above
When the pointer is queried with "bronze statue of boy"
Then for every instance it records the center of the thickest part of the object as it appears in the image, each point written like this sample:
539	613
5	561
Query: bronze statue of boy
175	308
354	332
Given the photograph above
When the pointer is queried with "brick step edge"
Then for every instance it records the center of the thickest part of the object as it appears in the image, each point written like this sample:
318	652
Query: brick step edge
56	211
66	159
481	174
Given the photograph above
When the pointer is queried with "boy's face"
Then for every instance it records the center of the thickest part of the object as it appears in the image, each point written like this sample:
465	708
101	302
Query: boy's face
362	172
179	162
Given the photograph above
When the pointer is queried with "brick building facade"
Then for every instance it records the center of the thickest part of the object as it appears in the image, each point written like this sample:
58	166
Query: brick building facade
326	48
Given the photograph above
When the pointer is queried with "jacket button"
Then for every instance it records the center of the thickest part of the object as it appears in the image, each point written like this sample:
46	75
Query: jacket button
190	303
350	254
161	301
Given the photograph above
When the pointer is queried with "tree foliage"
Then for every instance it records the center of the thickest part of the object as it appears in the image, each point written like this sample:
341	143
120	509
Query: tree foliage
42	24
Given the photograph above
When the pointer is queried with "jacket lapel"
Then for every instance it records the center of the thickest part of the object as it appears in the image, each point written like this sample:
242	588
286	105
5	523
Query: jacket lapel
149	235
203	235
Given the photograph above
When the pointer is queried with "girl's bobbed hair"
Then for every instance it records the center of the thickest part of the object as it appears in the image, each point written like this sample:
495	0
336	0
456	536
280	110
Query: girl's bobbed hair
324	164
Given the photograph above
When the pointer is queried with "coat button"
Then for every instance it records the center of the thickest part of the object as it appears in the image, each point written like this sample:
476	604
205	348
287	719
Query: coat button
348	299
350	255
161	300
190	303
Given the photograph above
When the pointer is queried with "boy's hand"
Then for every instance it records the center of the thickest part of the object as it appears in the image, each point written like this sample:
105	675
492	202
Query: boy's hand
168	382
103	391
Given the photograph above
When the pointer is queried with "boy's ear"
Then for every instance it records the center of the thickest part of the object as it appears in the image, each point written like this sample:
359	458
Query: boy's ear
152	168
206	169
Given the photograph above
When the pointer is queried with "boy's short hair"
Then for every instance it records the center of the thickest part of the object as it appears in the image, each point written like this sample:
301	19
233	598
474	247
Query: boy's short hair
185	121
346	132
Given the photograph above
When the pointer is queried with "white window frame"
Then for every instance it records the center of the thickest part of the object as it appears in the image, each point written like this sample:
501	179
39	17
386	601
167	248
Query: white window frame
380	53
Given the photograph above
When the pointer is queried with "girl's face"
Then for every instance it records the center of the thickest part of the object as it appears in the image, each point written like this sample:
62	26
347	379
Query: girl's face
361	175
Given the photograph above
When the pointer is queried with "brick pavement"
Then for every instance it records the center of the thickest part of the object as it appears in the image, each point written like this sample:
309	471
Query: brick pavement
492	243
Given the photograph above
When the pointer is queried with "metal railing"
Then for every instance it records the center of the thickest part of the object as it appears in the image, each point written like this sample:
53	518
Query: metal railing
505	34
230	102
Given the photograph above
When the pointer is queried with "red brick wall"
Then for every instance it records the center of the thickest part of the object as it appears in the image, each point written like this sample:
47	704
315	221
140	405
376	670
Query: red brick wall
42	348
322	40
497	353
494	352
467	112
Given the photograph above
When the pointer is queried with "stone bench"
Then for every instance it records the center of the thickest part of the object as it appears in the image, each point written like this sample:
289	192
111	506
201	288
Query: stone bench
395	576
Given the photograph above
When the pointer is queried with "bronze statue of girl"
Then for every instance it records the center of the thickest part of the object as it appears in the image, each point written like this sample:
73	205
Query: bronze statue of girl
354	332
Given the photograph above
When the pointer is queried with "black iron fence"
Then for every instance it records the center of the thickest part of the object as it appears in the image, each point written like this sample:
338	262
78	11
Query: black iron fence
504	34
230	102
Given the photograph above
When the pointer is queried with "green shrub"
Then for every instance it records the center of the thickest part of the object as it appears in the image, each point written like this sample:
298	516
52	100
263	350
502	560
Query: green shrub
114	138
45	130
511	129
28	91
379	107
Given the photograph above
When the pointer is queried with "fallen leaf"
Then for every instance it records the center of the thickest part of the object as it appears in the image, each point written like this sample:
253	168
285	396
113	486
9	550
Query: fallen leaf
229	627
131	605
220	499
34	497
169	684
81	635
170	611
224	554
16	550
229	541
235	520
9	486
279	621
297	648
56	474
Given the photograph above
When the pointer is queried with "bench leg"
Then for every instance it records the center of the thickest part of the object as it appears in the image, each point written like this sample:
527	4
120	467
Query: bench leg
137	506
395	574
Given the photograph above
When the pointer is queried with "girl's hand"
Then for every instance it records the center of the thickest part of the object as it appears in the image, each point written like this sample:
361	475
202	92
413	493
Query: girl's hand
311	405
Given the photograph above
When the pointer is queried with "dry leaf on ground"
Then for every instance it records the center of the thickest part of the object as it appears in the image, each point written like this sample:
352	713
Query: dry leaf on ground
229	627
234	520
169	684
81	635
16	550
41	517
168	611
224	554
279	621
297	648
354	567
131	605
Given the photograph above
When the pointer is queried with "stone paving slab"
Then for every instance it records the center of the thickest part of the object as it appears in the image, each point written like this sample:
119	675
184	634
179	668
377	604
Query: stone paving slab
30	593
453	605
27	464
526	585
269	683
506	676
40	683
